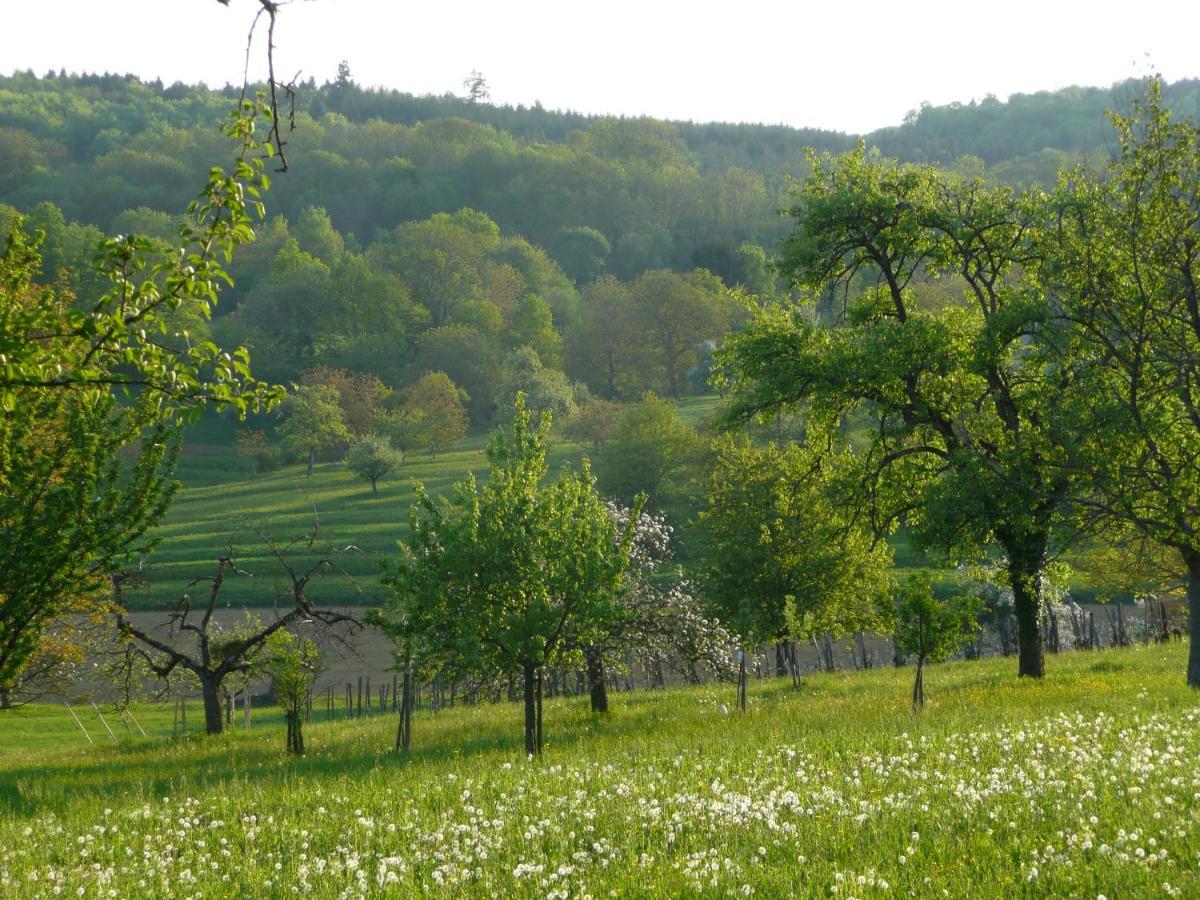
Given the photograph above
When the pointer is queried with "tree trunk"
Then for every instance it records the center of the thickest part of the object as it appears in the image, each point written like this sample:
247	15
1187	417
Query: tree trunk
214	719
541	676
793	656
312	455
596	682
404	737
528	671
1026	559
741	687
295	734
1193	600
5	698
374	486
918	697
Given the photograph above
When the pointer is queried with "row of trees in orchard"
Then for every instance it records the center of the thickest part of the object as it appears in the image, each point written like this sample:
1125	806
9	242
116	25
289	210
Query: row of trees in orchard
999	371
1026	361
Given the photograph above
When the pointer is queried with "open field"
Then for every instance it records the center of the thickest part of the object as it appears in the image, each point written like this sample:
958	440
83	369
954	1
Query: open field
1082	785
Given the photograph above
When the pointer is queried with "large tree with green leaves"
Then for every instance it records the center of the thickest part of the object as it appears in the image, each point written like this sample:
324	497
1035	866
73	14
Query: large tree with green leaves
1124	260
923	318
504	575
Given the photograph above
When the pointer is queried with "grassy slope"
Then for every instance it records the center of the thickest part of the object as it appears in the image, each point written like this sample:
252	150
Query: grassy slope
1080	782
222	503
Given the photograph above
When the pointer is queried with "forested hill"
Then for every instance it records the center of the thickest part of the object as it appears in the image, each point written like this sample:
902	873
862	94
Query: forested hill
96	145
508	247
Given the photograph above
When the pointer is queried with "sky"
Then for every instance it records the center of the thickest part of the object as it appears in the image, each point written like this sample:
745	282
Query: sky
850	66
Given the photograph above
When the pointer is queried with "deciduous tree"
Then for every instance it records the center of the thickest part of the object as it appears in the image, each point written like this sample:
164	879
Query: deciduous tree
971	409
313	422
779	527
1123	261
510	568
930	629
442	408
83	476
371	458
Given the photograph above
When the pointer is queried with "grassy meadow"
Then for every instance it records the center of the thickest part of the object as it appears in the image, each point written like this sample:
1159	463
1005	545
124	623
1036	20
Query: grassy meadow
1083	785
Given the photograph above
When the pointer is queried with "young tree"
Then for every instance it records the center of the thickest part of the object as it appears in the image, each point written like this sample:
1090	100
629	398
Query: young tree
501	578
83	476
371	458
663	622
292	662
313	423
779	528
932	630
966	398
416	586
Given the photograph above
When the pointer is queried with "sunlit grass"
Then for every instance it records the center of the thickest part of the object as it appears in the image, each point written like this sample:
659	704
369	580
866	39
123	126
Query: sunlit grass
1000	779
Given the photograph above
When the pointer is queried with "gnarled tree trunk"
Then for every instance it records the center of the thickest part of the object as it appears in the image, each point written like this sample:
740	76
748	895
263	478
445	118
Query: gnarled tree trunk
210	689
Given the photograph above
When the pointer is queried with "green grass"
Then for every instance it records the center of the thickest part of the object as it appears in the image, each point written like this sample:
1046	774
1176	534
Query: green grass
1080	785
222	504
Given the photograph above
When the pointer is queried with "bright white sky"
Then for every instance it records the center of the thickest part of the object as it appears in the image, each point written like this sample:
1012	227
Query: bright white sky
847	65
